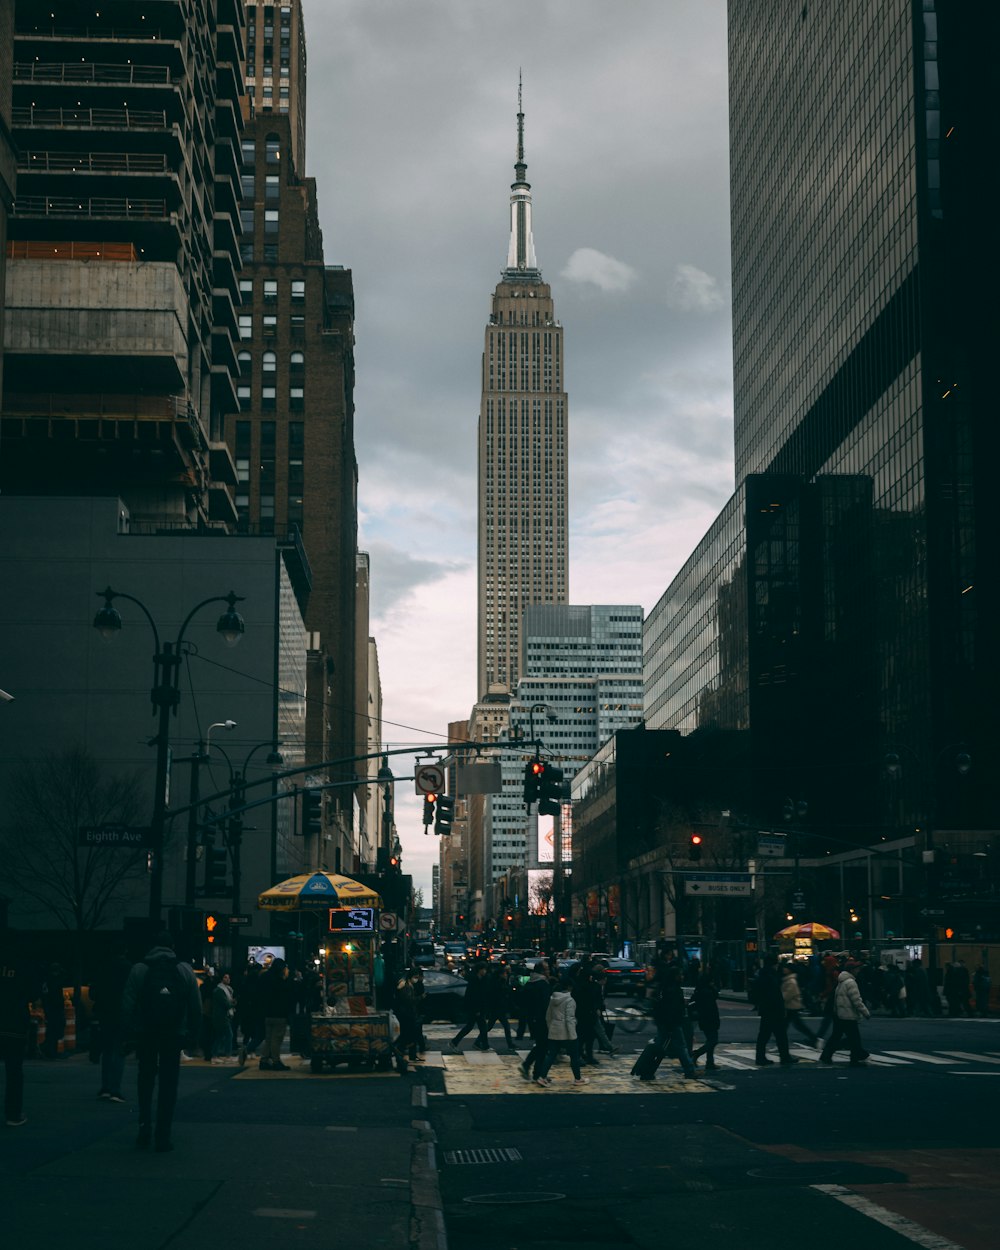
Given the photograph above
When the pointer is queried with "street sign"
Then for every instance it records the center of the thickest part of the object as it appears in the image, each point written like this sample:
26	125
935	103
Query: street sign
238	918
798	901
717	884
429	779
771	844
388	922
131	836
932	911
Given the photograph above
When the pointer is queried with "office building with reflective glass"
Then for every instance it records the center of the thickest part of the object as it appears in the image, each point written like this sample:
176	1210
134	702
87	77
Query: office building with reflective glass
840	613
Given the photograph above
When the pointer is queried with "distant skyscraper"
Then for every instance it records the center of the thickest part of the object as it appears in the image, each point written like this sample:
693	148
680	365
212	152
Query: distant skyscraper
522	449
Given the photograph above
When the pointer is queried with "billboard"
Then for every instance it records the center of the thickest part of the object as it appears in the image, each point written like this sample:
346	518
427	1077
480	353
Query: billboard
540	901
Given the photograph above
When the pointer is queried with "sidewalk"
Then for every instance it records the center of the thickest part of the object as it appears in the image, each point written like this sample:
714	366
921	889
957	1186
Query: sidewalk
305	1160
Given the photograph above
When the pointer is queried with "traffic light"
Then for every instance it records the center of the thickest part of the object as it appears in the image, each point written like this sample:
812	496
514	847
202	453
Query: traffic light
312	812
445	813
694	847
395	864
533	771
216	864
213	927
429	801
550	788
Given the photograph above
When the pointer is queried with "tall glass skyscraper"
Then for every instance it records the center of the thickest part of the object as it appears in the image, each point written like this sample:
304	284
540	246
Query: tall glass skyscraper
522	450
842	610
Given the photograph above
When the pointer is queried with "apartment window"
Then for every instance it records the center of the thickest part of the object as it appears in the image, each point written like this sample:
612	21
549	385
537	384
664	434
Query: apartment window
297	364
296	472
246	325
270	290
268	398
296	398
267	469
246	290
286	14
246	252
243	397
248	152
271	221
246	221
270	326
272	187
298	290
242	457
245	362
283	92
298	327
269	363
270	253
246	186
272	149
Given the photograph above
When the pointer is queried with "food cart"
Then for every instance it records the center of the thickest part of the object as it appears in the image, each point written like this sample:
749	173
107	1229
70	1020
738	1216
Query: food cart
349	1029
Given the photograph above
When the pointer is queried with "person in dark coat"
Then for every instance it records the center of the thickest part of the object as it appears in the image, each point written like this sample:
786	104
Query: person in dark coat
15	996
106	994
498	1004
666	996
158	1035
476	1005
276	994
587	996
770	1003
705	1001
956	988
534	1003
405	1007
249	1013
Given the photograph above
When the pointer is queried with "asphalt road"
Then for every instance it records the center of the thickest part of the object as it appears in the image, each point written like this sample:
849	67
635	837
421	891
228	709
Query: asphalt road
902	1152
463	1154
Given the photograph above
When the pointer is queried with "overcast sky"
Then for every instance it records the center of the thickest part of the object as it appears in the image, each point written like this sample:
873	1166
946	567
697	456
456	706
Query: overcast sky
411	137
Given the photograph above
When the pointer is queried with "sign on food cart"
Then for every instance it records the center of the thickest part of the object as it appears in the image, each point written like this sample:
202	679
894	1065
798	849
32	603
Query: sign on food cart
352	919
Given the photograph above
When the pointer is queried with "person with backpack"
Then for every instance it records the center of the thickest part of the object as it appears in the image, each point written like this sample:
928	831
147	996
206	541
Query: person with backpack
161	1009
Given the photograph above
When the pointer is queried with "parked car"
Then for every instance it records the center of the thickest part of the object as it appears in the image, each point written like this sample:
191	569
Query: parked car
624	976
444	994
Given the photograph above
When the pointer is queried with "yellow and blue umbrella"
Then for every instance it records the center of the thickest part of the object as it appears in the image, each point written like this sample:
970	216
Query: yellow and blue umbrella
811	929
317	889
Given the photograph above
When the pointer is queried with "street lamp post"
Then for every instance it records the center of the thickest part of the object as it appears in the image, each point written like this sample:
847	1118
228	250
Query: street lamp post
165	696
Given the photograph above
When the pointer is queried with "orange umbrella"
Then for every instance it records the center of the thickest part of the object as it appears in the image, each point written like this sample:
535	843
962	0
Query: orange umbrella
811	929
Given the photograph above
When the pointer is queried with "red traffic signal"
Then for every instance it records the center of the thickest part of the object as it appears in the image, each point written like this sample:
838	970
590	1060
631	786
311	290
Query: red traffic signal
694	849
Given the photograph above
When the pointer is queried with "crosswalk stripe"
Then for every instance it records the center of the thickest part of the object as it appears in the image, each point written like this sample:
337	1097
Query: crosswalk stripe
919	1058
965	1054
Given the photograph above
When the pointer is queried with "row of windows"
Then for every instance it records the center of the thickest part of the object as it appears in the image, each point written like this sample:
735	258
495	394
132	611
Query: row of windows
297	292
269	325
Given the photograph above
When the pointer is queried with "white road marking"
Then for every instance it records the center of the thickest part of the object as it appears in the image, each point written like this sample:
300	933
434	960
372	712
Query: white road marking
918	1057
967	1054
897	1223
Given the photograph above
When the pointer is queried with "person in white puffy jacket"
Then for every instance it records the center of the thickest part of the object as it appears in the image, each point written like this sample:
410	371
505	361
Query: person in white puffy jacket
848	1008
560	1018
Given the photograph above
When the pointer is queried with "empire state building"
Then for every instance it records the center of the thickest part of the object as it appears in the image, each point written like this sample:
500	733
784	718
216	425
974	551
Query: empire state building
522	449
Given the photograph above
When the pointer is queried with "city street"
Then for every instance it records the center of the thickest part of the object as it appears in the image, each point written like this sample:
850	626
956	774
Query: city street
903	1152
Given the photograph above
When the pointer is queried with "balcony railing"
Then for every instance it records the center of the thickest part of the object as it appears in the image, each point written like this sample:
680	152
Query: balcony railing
114	33
130	119
109	406
73	249
92	162
88	71
70	206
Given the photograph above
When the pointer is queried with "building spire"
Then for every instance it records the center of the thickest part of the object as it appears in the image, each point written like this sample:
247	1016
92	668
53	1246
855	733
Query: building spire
521	263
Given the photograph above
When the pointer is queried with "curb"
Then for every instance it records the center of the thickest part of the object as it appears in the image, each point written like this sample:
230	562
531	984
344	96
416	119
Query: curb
427	1229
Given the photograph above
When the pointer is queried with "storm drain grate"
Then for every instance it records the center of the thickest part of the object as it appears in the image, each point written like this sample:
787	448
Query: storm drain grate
489	1154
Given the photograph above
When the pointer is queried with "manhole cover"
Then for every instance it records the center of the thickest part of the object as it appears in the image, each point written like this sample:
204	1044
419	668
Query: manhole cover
497	1200
804	1173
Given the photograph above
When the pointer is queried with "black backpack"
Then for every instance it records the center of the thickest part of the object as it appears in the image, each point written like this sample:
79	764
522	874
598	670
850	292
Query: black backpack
163	997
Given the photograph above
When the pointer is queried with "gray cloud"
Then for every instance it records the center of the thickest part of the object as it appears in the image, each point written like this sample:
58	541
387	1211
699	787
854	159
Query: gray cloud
412	140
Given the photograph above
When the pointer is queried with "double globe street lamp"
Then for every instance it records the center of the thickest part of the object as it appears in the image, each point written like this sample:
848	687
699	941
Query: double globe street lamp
237	799
165	696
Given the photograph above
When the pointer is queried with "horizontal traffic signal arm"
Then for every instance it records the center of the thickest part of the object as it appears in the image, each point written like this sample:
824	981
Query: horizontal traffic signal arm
510	748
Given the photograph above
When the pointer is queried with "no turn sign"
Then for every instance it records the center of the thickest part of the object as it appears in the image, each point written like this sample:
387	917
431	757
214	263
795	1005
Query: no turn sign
429	778
388	922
